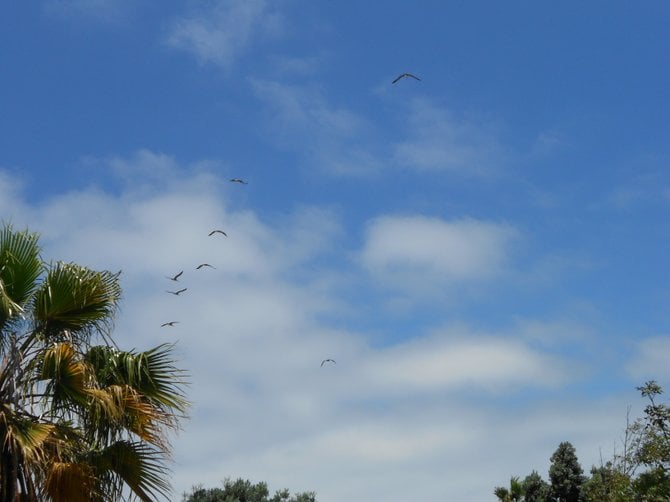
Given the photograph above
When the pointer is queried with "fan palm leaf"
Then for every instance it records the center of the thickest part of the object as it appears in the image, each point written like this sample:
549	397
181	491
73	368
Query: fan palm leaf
24	433
120	409
25	443
140	467
74	300
66	376
152	373
69	482
20	267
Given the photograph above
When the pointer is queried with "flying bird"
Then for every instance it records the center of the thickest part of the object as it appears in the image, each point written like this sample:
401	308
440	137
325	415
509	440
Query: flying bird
238	180
176	277
404	75
204	265
177	293
328	361
171	323
218	232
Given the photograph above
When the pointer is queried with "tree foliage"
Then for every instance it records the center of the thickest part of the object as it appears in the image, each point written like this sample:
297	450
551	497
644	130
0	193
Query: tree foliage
242	490
640	472
535	488
608	484
566	474
513	493
80	419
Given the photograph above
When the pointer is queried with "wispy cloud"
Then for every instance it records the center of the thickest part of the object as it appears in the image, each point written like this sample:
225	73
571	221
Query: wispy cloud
341	140
219	34
639	185
10	195
650	359
439	140
335	139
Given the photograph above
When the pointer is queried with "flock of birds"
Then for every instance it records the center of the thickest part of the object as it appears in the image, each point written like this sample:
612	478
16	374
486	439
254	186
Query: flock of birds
216	231
176	277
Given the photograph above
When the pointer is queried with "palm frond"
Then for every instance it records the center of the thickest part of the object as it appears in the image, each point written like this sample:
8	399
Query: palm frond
152	373
119	410
76	300
165	382
124	410
70	482
24	434
139	466
65	375
20	267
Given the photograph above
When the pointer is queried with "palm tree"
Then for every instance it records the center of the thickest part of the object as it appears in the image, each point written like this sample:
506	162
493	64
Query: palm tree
80	419
511	494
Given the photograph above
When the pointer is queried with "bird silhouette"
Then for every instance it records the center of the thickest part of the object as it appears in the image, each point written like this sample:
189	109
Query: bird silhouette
404	75
328	361
176	293
176	277
218	232
171	323
238	180
204	265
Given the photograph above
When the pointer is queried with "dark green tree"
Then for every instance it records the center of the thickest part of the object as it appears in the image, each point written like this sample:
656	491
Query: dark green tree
242	490
566	474
535	488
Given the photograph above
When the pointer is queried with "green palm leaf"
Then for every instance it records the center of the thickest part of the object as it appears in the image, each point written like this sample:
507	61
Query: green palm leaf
152	373
118	410
23	433
20	266
139	466
76	300
23	441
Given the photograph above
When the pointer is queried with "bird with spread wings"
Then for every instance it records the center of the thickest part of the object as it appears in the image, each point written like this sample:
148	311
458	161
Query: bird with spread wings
175	277
405	75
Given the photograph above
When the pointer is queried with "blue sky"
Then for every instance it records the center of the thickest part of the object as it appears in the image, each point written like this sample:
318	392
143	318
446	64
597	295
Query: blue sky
483	252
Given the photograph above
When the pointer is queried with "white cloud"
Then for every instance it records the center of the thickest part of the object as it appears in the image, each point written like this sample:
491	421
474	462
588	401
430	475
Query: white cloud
10	196
438	140
650	360
221	33
443	362
416	250
389	419
400	453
